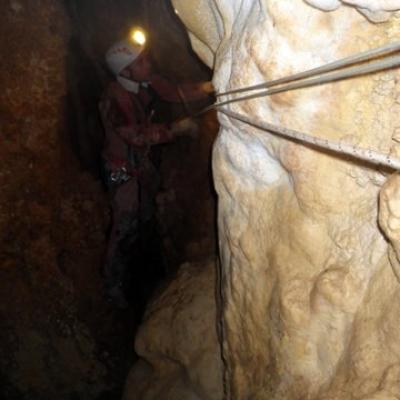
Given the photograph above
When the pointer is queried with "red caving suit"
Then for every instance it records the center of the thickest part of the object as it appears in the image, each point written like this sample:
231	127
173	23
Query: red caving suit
129	134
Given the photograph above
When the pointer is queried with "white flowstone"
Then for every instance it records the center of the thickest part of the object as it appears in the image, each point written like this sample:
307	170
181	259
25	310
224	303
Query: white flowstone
180	356
311	296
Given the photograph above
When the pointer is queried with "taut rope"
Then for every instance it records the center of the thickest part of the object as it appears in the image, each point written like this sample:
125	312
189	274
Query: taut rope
333	72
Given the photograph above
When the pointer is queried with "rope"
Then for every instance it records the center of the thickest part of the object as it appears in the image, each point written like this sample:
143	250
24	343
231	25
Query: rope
367	155
360	153
344	62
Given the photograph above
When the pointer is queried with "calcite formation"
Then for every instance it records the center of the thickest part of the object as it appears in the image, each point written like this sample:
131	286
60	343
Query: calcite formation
177	342
309	239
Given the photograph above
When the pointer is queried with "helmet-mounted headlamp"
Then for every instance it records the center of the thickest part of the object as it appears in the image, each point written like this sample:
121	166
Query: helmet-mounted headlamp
138	36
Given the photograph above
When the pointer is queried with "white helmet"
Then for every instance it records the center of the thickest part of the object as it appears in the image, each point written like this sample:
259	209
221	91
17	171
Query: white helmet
118	57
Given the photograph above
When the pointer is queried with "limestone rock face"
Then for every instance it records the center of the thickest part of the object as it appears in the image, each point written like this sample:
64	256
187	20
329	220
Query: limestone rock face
177	342
309	287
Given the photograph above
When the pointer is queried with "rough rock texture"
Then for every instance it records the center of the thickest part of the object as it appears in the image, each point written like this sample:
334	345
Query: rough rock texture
310	294
177	342
55	328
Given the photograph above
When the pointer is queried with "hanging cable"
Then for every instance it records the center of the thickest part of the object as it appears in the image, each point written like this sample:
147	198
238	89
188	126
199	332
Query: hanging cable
376	66
360	153
335	65
333	72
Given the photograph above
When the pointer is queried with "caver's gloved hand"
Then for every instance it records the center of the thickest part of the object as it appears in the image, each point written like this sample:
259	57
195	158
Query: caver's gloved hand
185	127
207	87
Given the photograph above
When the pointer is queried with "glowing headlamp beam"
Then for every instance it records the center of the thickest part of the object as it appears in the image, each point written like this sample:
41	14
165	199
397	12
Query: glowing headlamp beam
138	37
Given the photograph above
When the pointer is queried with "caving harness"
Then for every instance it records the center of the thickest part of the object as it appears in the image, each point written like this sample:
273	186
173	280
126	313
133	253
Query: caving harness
381	58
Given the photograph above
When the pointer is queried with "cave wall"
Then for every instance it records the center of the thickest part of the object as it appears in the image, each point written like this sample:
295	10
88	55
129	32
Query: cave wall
309	288
56	332
59	337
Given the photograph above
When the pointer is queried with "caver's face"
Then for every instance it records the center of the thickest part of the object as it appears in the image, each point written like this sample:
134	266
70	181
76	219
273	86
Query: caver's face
139	70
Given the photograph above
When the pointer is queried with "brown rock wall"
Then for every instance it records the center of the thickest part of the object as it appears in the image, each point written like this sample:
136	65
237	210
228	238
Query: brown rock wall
52	221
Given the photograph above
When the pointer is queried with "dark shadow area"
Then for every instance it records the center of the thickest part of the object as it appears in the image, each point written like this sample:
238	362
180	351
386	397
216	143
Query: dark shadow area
60	336
182	227
88	76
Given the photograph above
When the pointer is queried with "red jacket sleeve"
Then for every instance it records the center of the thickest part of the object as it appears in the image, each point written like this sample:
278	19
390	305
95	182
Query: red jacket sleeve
177	93
119	118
